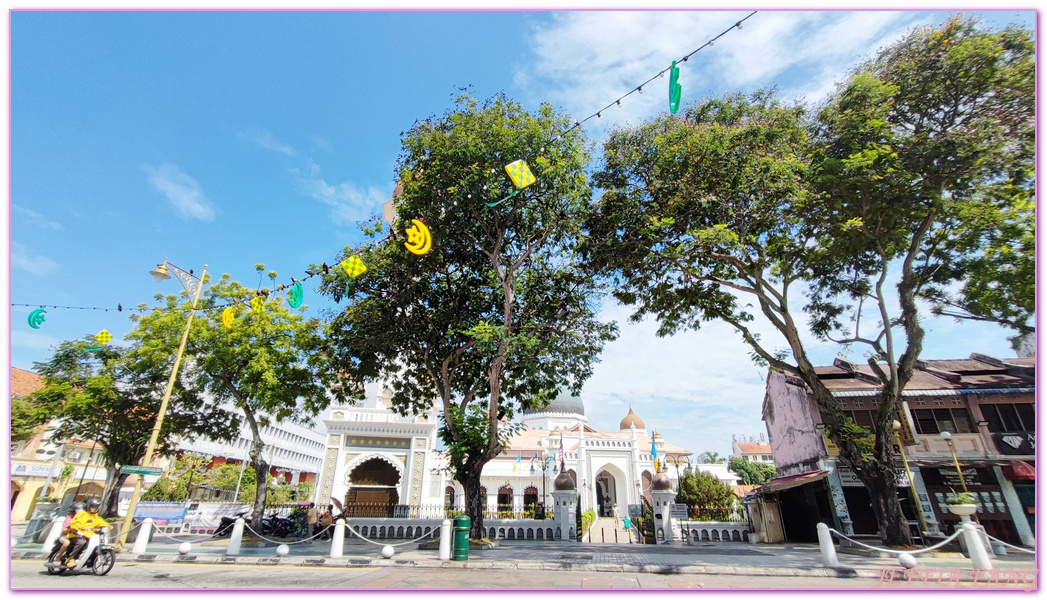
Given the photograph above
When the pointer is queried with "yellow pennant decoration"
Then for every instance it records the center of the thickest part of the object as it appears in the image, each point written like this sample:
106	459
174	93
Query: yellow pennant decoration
257	304
520	173
353	266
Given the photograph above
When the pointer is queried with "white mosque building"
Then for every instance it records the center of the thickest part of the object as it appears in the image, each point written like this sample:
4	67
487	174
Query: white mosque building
378	457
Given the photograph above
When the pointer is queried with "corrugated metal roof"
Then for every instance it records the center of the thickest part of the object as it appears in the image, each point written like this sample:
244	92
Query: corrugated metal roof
914	393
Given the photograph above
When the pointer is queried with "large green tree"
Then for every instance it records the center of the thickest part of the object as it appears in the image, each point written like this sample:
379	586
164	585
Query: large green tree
724	213
495	317
111	396
707	498
752	473
270	364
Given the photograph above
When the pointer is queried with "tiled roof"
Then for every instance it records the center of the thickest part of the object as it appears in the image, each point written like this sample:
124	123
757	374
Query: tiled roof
25	382
754	447
932	375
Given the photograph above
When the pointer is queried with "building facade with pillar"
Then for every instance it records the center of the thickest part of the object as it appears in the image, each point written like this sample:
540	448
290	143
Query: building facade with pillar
987	406
375	457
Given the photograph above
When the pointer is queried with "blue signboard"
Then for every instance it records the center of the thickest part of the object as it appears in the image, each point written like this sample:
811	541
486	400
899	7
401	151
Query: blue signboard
162	513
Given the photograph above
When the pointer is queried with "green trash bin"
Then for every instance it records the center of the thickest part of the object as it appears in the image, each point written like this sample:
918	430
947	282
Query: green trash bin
460	540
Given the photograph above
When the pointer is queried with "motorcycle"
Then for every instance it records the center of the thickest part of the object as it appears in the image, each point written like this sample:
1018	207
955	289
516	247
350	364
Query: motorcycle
225	526
277	526
98	556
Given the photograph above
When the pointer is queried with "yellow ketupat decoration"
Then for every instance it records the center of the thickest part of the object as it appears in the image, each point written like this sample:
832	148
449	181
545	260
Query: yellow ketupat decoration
103	337
258	304
520	173
353	266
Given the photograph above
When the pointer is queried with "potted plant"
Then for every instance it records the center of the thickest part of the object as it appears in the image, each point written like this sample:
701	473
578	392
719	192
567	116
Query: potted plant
962	504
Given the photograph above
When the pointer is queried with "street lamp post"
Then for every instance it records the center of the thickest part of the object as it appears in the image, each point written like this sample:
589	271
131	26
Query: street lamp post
897	426
192	285
948	440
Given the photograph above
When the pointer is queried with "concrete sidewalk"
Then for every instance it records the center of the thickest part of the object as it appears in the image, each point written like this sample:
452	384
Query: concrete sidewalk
717	558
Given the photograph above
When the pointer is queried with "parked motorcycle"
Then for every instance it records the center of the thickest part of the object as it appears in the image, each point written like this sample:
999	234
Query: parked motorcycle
98	556
277	526
225	526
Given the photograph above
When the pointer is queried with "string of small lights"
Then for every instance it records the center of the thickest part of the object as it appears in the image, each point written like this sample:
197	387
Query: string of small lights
325	269
119	307
639	89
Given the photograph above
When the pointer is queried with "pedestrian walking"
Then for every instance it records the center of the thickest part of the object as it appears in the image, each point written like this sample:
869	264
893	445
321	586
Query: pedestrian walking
617	522
311	517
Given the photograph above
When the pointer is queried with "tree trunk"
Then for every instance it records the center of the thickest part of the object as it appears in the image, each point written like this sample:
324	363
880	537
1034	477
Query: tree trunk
114	481
474	504
883	495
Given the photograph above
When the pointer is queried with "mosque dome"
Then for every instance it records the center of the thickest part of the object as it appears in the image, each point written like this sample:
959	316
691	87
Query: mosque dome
661	482
565	402
631	419
563	482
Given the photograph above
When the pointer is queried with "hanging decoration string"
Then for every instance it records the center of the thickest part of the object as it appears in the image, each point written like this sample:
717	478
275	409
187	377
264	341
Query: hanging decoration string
118	308
639	89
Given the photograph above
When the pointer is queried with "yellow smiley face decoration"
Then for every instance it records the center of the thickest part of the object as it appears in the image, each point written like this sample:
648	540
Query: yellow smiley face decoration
228	316
419	241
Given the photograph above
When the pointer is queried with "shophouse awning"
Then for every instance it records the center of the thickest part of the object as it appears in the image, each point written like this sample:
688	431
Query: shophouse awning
1020	470
791	481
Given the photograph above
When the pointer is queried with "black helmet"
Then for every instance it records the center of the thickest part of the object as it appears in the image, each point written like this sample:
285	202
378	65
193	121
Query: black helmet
93	503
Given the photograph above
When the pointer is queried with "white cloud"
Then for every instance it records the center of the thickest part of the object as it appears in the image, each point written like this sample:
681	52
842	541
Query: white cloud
349	203
35	219
34	341
585	61
265	140
27	260
696	387
181	190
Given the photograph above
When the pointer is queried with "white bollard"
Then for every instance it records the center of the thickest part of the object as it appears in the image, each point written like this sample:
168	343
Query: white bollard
56	530
907	560
975	547
283	550
388	551
185	548
234	538
825	544
445	540
143	536
338	539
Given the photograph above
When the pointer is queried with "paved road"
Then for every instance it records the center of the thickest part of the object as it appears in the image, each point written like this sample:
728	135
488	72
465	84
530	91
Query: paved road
31	575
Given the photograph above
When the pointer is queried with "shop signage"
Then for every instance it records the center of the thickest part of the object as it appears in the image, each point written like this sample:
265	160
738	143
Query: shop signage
33	471
951	478
162	513
1022	442
849	479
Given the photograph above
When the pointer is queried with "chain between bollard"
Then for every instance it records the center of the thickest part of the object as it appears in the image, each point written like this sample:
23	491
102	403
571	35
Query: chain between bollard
889	551
428	535
1027	551
260	536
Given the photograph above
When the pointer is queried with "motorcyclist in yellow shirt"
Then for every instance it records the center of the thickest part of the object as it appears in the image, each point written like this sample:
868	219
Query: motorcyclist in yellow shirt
85	524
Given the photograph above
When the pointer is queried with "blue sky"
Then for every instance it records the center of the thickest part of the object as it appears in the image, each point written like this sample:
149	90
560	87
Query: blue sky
236	138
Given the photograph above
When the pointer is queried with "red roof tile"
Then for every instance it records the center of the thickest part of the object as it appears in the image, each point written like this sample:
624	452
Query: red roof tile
25	382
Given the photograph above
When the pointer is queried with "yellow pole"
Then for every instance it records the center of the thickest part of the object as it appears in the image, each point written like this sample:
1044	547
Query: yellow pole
160	415
957	463
912	484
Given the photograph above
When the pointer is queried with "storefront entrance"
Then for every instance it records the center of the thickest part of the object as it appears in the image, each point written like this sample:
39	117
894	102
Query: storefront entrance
942	482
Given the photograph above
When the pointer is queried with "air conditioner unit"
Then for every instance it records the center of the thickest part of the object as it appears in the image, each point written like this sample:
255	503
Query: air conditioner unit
74	456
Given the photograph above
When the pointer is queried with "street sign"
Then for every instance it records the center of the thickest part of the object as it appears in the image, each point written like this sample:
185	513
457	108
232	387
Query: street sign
678	511
137	470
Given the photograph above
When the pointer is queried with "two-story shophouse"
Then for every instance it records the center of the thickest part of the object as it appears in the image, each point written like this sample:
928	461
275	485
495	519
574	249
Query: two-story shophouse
987	406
